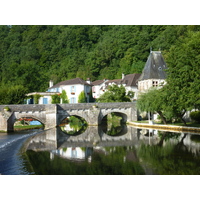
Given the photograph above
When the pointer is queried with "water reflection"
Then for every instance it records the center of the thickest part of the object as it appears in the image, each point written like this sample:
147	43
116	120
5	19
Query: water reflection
133	151
73	125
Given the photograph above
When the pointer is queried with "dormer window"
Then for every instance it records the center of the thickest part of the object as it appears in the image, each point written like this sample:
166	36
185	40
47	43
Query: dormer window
155	83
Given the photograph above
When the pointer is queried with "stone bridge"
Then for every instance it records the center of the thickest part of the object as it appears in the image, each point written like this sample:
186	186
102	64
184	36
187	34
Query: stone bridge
51	115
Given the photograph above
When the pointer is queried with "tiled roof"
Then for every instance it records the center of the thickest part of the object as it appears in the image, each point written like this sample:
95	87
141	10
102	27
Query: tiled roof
131	79
97	82
154	67
117	81
74	81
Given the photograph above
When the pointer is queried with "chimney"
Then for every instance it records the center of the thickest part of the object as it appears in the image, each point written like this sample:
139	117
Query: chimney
123	76
50	83
88	80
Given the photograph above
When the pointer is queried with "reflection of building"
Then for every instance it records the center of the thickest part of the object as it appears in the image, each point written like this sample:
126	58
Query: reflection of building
74	153
68	128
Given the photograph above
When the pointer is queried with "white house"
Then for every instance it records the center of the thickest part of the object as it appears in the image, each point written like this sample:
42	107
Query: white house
128	81
98	88
72	87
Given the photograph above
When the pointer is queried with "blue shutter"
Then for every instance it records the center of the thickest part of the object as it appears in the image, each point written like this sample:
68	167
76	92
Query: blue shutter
45	101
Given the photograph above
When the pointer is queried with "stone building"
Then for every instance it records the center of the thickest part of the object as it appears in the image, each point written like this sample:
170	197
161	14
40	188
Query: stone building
153	74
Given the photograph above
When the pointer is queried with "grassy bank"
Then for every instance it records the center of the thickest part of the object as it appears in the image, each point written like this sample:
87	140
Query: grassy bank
28	127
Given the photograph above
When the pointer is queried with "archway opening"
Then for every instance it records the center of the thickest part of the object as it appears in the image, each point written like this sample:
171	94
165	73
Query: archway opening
73	125
114	124
25	123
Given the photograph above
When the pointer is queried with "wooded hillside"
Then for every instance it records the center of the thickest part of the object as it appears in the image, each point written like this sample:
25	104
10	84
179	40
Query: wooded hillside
32	55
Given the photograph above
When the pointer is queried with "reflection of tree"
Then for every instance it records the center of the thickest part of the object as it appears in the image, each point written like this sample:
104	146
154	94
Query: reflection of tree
113	163
114	130
170	158
113	125
165	136
77	126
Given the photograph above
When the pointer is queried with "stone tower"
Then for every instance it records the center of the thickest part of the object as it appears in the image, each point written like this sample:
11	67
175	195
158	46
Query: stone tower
153	74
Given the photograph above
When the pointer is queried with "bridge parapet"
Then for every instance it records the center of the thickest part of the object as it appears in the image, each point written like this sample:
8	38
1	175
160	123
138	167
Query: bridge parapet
52	114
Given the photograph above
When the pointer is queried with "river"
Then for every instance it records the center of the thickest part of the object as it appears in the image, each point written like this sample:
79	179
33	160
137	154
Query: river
11	161
131	151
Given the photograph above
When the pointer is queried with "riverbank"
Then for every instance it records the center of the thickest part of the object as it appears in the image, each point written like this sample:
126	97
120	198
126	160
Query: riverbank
28	127
163	127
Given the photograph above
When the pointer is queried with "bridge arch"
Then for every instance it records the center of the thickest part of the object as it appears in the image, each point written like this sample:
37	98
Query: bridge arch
117	113
63	117
14	118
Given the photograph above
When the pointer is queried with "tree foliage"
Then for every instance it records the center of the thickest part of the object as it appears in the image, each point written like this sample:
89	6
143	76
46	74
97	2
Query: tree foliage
55	99
37	53
152	101
36	98
114	93
82	97
12	95
64	97
31	55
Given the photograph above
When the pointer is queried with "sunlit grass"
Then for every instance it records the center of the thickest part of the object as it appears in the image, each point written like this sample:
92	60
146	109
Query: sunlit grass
28	127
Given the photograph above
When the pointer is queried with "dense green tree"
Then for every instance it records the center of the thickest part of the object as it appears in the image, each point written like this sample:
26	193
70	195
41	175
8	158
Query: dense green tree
36	98
55	99
114	93
153	101
33	55
64	97
183	75
82	98
12	94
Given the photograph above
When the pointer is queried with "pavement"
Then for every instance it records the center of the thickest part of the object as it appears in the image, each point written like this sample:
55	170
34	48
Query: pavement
152	125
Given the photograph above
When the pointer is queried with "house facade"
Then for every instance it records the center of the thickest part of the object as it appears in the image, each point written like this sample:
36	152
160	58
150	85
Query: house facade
98	88
153	74
128	81
72	87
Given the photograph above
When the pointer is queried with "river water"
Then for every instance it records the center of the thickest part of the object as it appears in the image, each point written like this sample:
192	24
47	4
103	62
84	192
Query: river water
132	151
11	161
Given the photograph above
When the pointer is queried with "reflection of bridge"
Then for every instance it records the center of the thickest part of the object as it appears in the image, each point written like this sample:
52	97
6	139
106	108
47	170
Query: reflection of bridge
51	115
93	136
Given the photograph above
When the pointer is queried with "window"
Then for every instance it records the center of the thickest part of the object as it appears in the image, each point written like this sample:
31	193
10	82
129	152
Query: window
45	101
73	89
73	100
155	83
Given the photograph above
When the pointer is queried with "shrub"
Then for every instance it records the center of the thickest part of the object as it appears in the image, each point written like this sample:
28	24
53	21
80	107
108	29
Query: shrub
36	98
64	97
55	99
195	116
82	98
6	108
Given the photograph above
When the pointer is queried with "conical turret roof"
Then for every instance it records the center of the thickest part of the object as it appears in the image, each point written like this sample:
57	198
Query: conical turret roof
155	67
